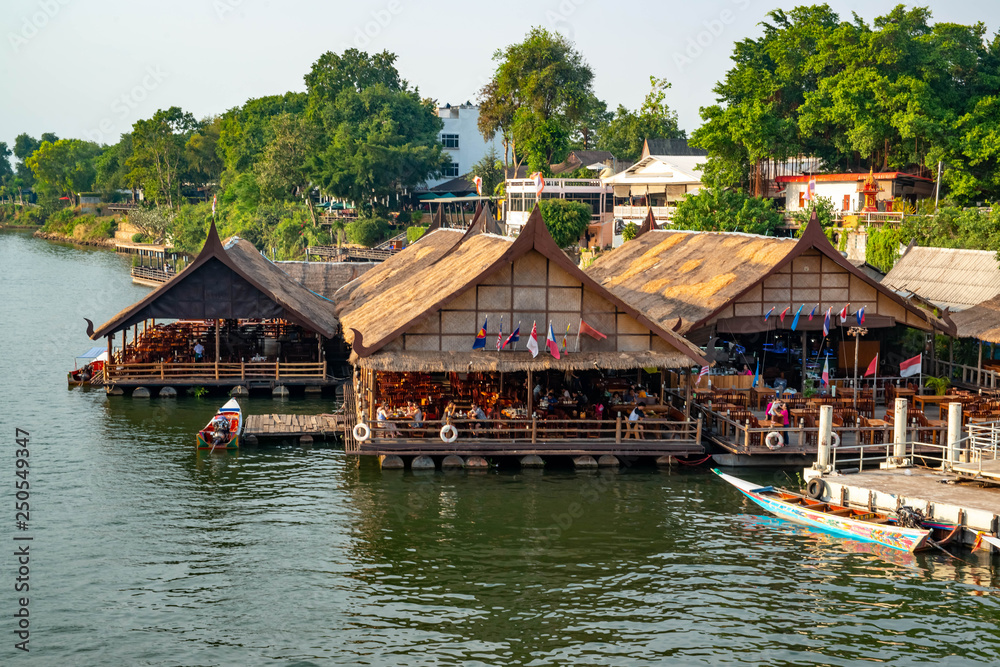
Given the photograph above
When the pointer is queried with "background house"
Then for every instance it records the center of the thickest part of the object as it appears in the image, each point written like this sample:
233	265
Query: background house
462	141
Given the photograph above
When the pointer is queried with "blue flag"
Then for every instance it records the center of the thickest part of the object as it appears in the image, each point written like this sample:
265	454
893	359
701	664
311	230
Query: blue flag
480	342
756	375
795	322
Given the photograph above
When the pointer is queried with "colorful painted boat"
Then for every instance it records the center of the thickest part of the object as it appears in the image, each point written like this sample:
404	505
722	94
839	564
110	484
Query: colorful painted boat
857	524
233	416
989	540
87	366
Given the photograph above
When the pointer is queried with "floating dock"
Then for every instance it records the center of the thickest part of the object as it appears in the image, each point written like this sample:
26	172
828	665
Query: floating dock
276	426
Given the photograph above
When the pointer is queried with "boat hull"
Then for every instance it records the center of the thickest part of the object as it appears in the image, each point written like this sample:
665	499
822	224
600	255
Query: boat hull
895	537
234	443
234	415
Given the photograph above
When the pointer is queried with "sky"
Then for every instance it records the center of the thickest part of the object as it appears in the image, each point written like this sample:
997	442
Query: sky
90	68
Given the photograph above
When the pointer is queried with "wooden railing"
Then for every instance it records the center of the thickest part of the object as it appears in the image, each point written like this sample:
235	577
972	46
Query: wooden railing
151	274
969	376
335	254
661	213
511	435
166	371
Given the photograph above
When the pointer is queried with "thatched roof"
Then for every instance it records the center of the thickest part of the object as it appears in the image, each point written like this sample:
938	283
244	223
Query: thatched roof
399	268
228	282
372	319
951	278
683	279
325	278
981	322
687	275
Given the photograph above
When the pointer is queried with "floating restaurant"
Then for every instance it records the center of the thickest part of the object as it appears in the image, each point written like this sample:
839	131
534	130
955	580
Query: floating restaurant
231	318
442	338
768	310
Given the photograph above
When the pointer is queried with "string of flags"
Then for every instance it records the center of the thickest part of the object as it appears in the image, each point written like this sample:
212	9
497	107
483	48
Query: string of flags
844	314
554	347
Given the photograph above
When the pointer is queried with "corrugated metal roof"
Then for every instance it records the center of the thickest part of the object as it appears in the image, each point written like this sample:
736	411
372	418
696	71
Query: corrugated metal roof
947	277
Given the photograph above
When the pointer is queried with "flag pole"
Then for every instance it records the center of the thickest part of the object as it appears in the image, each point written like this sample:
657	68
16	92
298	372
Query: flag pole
578	335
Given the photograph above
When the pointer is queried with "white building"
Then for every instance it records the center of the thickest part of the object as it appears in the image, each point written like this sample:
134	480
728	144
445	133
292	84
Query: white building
657	182
462	141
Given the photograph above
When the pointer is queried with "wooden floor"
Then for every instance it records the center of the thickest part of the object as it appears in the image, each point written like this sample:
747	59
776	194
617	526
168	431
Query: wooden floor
926	484
288	426
990	469
568	447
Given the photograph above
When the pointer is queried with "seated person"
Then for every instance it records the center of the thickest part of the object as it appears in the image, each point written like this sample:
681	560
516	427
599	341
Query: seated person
220	430
417	417
382	420
635	420
449	411
616	399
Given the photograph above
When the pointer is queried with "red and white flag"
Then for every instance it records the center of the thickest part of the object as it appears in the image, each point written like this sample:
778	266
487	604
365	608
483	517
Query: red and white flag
479	185
550	340
843	314
911	366
701	373
872	367
500	335
826	372
214	197
532	343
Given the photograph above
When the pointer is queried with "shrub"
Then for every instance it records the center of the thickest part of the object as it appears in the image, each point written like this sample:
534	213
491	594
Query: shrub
414	233
566	220
631	229
367	231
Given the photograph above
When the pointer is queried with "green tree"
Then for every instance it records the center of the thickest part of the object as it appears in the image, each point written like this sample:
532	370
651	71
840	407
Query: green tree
541	89
245	131
378	139
201	156
24	146
6	171
627	130
158	153
490	169
630	231
367	231
112	170
64	167
724	210
565	219
824	209
281	169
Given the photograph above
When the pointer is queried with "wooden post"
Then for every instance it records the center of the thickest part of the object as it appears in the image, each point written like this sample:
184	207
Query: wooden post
979	365
805	357
618	429
802	432
534	429
697	432
531	393
746	436
663	387
243	369
277	370
687	392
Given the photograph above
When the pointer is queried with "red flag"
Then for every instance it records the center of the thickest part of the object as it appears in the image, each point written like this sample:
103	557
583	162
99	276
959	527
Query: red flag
479	185
872	367
783	313
532	344
591	331
911	366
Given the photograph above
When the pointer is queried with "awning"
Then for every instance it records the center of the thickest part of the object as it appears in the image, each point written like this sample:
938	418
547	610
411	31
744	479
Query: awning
621	190
93	353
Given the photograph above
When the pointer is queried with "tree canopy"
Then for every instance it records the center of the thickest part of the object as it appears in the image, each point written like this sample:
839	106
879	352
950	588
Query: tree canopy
626	131
726	210
900	93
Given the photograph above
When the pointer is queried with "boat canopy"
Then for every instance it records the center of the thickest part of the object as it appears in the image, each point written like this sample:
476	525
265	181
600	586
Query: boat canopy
94	354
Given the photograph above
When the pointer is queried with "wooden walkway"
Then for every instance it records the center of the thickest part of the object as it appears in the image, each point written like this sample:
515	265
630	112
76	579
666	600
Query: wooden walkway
293	426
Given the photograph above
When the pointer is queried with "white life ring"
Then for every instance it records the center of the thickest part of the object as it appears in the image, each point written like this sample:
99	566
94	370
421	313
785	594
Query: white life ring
834	439
362	432
449	433
774	440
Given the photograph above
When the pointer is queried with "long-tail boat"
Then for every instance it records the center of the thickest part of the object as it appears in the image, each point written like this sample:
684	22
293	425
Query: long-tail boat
859	524
225	429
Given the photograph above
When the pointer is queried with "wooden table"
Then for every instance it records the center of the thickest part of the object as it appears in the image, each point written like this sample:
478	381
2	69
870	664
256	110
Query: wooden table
933	398
759	396
903	392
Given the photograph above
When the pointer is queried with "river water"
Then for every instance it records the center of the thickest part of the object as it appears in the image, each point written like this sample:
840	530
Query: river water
147	553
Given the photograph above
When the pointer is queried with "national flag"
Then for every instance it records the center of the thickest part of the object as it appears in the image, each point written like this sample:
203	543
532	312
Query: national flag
539	182
872	367
768	313
479	185
564	341
811	189
591	331
843	314
214	198
826	372
795	322
756	374
500	335
812	313
532	343
783	313
550	340
701	373
514	337
826	322
911	366
480	342
860	315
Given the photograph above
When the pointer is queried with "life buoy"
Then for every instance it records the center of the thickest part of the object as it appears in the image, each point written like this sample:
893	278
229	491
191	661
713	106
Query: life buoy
815	488
774	440
449	433
362	432
834	439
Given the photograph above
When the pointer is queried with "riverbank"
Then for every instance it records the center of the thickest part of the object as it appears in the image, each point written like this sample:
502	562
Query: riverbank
64	238
22	228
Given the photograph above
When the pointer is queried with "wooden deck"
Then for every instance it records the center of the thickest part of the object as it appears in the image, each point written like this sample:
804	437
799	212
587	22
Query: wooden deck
293	426
547	448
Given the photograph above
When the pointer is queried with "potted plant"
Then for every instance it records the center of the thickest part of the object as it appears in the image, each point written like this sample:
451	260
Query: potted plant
938	385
